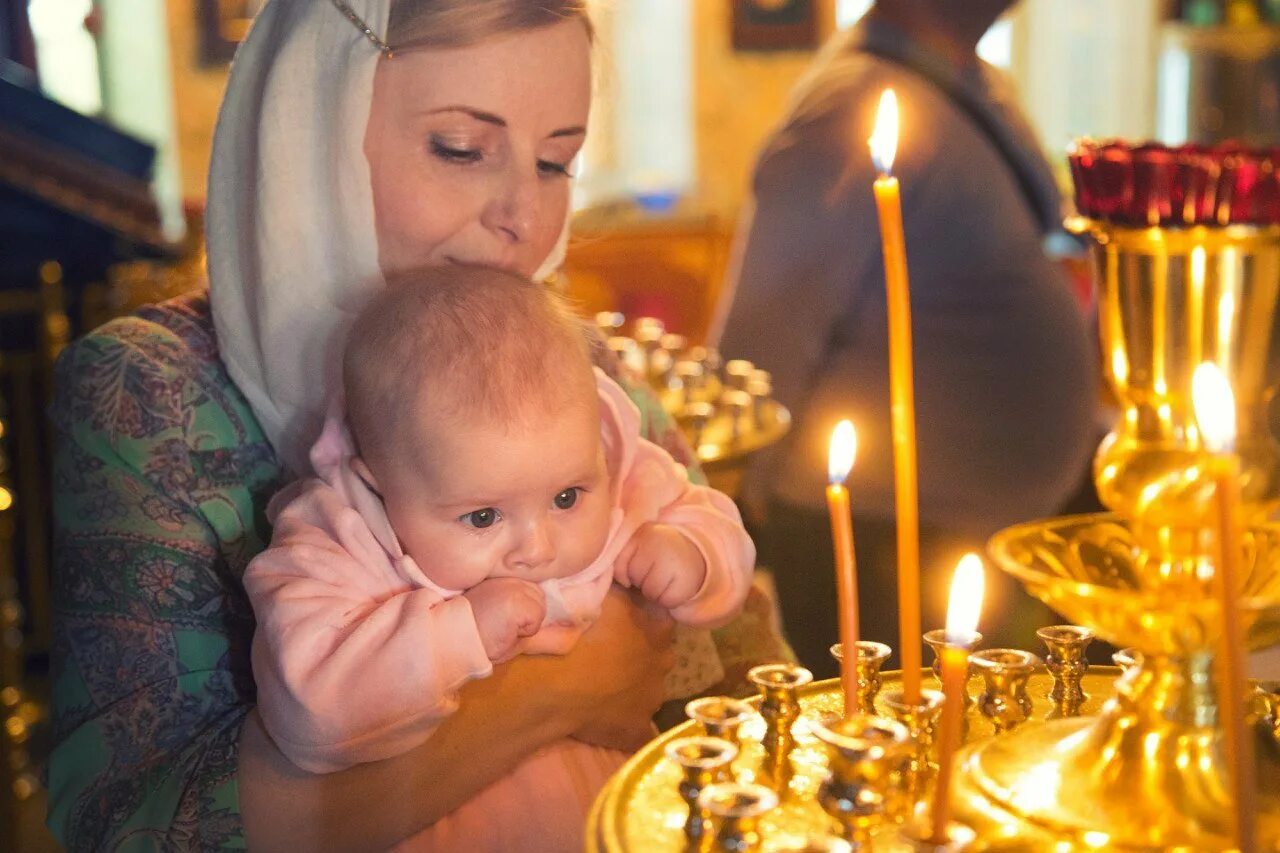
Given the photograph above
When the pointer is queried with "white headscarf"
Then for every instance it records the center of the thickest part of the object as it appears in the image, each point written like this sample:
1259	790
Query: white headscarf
293	253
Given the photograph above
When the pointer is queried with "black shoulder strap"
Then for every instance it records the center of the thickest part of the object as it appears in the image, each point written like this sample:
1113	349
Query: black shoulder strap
981	119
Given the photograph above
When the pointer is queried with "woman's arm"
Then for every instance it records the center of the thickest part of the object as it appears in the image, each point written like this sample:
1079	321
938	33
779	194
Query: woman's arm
524	705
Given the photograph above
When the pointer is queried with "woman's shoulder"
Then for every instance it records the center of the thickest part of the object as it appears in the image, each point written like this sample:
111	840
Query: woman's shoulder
150	375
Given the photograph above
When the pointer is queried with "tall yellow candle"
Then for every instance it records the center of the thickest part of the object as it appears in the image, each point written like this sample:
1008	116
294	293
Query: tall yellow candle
1216	414
844	447
884	146
962	623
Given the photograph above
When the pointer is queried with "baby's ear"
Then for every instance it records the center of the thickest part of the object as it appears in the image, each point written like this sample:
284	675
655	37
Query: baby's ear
361	470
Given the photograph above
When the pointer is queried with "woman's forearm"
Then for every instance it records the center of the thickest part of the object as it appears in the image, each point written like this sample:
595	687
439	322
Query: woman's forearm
373	806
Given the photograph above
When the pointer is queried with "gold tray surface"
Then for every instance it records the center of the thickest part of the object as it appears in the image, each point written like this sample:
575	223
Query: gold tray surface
640	810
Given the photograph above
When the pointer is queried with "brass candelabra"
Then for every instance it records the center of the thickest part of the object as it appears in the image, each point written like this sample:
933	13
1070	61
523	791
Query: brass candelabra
1057	756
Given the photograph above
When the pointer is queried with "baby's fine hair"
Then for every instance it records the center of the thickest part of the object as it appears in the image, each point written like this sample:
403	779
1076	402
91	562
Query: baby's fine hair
460	344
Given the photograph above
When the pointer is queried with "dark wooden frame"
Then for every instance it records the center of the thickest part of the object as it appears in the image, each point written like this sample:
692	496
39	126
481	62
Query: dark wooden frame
793	25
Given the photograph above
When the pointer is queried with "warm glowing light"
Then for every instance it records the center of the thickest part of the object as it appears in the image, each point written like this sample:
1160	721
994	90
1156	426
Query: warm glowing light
884	139
844	449
966	600
6	499
1215	407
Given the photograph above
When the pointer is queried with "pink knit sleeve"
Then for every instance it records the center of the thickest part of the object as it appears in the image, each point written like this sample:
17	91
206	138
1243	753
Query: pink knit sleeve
653	487
352	662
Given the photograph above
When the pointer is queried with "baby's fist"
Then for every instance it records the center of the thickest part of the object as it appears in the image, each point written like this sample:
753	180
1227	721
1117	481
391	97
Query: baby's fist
663	564
506	611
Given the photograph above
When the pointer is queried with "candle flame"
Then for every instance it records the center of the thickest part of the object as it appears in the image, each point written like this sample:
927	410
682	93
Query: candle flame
884	139
844	448
1215	407
966	599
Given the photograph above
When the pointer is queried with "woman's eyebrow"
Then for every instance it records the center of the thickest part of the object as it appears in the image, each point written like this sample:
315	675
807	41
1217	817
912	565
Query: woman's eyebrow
499	121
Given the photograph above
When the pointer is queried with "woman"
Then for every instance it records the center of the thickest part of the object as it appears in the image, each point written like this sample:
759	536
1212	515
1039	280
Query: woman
341	155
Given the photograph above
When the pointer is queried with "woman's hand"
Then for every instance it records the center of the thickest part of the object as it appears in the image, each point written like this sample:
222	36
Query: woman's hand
610	684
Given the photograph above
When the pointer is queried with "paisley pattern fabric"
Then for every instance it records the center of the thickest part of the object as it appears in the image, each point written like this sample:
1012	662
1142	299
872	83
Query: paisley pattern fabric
161	479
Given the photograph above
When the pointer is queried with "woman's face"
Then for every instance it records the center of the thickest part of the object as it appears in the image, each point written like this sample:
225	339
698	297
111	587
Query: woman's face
470	148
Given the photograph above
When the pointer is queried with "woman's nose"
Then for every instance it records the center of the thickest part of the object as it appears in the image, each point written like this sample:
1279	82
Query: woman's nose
535	548
512	212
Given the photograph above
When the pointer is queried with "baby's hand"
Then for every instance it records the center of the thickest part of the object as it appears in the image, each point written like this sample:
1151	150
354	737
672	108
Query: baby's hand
663	564
506	610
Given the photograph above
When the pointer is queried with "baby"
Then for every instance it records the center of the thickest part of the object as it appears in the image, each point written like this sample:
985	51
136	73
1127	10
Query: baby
476	494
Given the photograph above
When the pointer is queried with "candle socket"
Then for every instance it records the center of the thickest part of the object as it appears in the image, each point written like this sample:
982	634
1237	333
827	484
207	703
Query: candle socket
735	810
868	760
1065	661
871	657
720	716
921	721
1269	695
779	685
705	761
937	640
1005	671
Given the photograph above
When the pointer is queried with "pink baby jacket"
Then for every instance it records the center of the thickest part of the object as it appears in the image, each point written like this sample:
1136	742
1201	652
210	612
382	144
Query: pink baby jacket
358	656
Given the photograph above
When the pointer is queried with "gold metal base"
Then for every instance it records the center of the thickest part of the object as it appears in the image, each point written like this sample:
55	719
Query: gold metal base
640	810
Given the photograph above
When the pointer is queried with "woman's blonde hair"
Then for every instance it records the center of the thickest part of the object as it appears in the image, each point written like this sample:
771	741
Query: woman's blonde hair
458	23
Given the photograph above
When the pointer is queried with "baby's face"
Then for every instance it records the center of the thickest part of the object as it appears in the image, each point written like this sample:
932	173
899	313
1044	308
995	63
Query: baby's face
529	501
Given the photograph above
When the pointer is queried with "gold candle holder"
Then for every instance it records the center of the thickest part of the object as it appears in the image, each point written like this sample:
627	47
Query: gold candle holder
780	706
720	716
921	720
735	810
1065	661
1005	672
868	759
1269	695
871	658
705	761
936	640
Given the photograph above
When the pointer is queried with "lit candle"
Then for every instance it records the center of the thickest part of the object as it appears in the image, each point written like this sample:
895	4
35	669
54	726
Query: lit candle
1215	408
844	447
962	623
884	145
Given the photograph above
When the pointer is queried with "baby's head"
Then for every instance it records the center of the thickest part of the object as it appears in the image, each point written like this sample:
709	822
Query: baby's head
472	401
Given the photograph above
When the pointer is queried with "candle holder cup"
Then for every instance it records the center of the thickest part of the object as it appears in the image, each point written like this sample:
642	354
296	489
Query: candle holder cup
735	810
720	716
704	761
1066	662
1005	673
921	721
869	758
780	706
871	658
936	640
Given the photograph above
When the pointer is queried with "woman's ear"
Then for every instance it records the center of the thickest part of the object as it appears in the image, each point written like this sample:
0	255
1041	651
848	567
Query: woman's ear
361	470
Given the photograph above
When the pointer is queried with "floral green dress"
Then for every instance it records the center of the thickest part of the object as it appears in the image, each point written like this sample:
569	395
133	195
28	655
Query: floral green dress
161	479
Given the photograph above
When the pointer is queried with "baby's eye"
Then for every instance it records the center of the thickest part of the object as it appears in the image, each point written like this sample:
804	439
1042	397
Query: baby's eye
567	498
480	518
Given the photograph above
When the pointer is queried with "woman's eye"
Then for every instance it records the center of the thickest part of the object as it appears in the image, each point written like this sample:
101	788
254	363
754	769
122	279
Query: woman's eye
455	154
480	518
566	499
554	169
